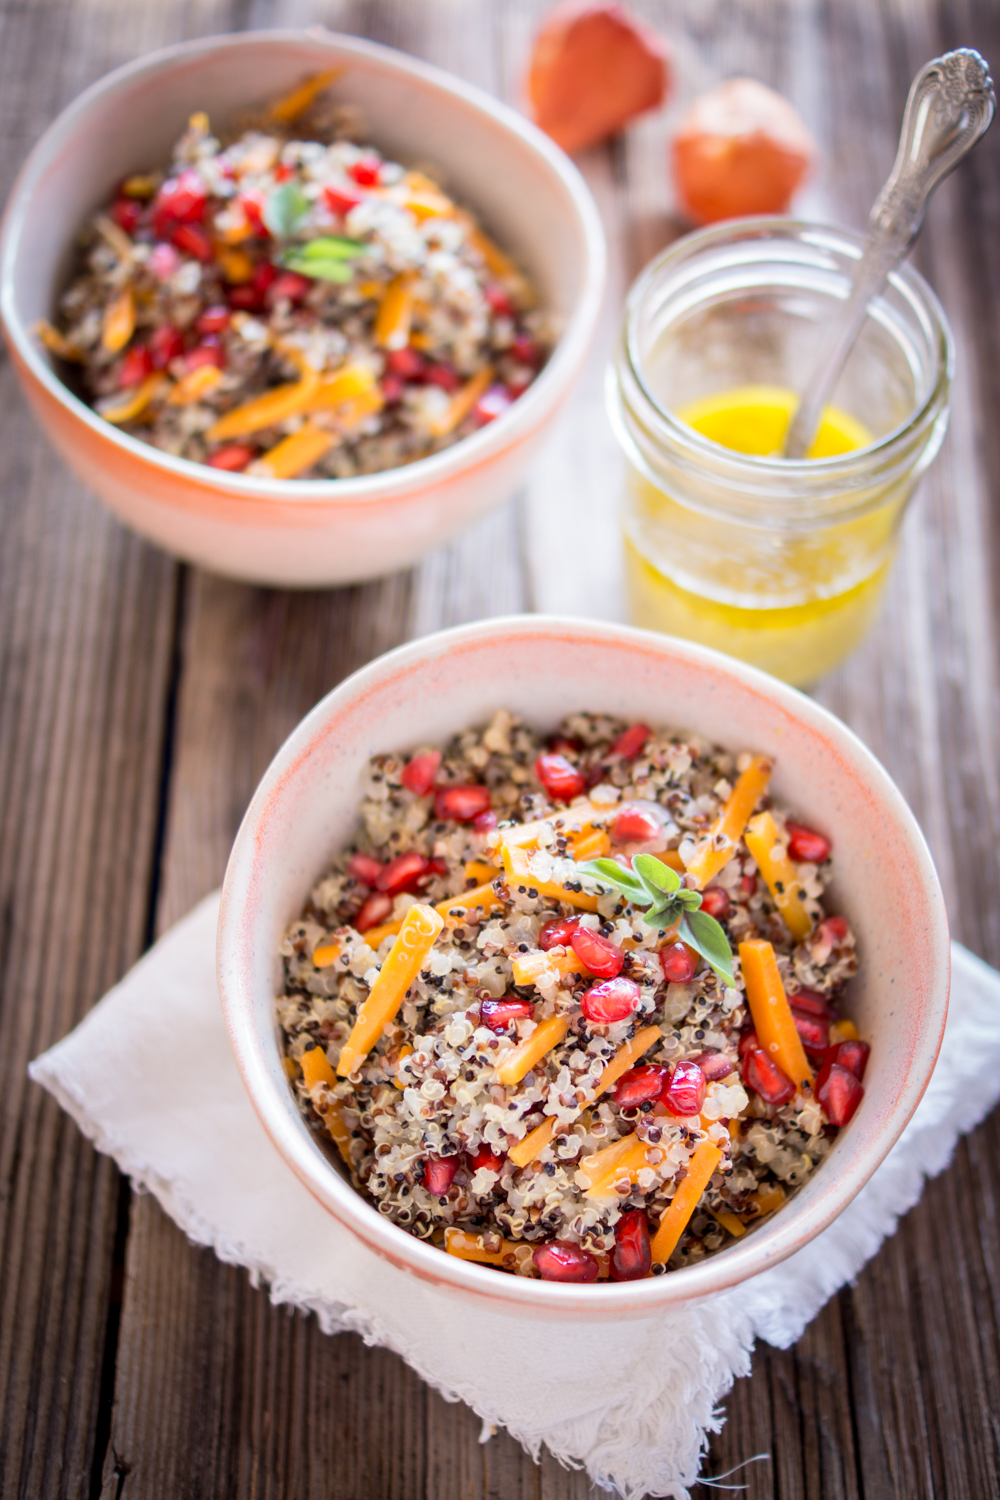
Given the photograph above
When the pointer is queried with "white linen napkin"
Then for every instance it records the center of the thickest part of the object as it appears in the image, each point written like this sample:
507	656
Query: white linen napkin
150	1078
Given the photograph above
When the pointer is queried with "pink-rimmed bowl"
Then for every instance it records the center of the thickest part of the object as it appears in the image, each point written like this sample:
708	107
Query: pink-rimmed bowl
885	883
301	533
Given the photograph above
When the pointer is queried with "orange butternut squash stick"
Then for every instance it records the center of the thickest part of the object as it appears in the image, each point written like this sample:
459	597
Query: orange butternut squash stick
730	1221
518	869
392	321
196	383
626	1158
522	1057
462	402
403	963
479	870
575	822
767	1199
535	1143
326	954
316	1070
235	265
56	343
717	847
705	1159
132	403
529	968
593	845
772	1015
470	1247
288	109
118	325
334	390
264	411
782	878
453	910
843	1031
295	453
351	414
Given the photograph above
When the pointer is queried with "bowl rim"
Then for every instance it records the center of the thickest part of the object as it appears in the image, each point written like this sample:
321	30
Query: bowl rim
524	416
758	1252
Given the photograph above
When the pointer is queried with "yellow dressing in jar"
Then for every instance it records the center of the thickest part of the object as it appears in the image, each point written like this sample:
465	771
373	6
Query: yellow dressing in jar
781	563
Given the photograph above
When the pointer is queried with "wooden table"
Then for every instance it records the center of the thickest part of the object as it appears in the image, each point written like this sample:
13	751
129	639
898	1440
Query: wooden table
140	701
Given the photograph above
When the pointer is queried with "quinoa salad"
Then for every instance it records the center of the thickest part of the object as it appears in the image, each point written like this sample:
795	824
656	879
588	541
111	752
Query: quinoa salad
571	1006
291	304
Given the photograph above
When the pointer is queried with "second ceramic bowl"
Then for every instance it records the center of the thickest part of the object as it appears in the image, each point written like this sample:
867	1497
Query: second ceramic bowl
301	533
885	884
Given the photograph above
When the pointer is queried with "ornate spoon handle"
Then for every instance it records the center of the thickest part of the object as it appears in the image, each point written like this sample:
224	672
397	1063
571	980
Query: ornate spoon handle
950	105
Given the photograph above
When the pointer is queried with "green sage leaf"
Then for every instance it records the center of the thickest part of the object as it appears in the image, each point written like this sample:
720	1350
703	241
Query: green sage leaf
655	874
610	873
319	270
285	208
331	247
706	937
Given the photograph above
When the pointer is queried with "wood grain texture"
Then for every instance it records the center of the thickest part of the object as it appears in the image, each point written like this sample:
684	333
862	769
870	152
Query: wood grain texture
139	700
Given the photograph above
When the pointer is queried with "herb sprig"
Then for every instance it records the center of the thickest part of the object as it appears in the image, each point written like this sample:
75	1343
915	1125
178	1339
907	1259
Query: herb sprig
655	886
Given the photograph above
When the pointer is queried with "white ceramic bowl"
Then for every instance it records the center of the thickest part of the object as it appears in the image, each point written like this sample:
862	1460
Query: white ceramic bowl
885	883
303	533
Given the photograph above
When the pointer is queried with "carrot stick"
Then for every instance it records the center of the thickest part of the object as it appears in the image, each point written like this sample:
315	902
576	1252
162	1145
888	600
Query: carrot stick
119	321
294	454
405	959
462	402
264	411
703	1163
719	844
131	403
288	109
522	1057
518	870
772	1015
779	872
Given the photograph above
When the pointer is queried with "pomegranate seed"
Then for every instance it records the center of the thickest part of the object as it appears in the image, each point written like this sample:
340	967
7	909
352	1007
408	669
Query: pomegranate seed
631	1258
601	956
814	1031
640	1086
715	901
436	867
811	1003
165	344
283	172
341	200
181	200
366	172
562	781
714	1065
492	404
245	299
407	363
685	1093
289	285
834	930
375	910
418	774
208	352
126	213
558	933
499	301
392	389
213	320
748	1043
854	1057
193	240
252	205
839	1092
805	845
614	1000
163	261
561	1261
486	1157
364	868
264	276
634	826
135	366
444	376
461	804
525	350
629	744
766	1078
748	886
561	744
499	1014
485	823
402	873
678	963
439	1174
234	457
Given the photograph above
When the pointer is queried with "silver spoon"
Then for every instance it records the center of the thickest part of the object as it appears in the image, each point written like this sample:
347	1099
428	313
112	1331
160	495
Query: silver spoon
950	105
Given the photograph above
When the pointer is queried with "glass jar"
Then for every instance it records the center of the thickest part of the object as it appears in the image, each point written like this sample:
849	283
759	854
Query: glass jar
778	562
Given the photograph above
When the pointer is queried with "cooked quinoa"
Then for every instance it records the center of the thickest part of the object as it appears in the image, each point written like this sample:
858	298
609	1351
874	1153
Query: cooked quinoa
294	263
422	1118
